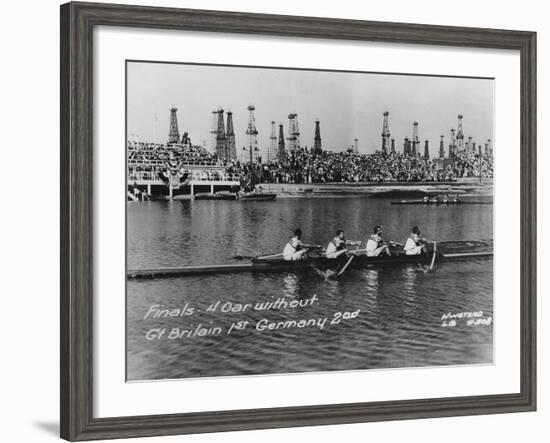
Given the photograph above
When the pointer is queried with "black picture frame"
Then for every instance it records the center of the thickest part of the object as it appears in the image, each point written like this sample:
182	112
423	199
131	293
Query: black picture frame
77	23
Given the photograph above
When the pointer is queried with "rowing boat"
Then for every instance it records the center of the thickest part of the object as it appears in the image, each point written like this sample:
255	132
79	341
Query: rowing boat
439	202
257	196
221	195
447	251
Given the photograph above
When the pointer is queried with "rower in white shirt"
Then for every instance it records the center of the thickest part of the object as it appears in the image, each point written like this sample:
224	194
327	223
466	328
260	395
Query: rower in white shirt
376	244
337	246
415	244
295	249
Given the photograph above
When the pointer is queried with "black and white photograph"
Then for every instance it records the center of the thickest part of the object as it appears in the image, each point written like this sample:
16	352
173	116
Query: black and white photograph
287	221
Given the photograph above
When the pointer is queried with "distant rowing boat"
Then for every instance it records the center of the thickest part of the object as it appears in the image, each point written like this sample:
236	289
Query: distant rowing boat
257	196
244	196
222	195
439	202
447	251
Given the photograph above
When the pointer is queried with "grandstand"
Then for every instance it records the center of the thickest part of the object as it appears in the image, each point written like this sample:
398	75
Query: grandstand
158	170
171	170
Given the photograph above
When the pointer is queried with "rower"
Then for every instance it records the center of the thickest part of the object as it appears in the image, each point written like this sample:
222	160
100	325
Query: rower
337	246
376	244
415	243
295	249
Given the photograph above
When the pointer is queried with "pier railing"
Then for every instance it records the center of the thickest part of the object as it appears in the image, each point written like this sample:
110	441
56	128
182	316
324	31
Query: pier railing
197	177
162	163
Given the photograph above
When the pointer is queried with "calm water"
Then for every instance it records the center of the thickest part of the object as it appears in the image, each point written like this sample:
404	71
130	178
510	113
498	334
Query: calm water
397	312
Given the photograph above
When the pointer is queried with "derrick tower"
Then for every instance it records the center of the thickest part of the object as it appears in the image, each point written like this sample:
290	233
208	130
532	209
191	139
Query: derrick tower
220	137
174	133
272	149
230	148
441	146
356	146
452	144
468	144
252	134
426	150
214	132
317	141
415	140
386	132
281	145
293	132
459	134
393	145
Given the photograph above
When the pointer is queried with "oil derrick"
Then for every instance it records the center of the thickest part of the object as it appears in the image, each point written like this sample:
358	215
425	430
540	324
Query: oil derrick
296	132
452	145
214	132
281	146
441	146
415	140
317	141
293	132
230	148
459	134
356	146
406	146
490	146
252	135
393	145
468	146
174	133
426	150
272	148
385	132
220	137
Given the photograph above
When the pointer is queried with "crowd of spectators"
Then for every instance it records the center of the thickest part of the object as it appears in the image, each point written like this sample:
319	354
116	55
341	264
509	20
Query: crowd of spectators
308	166
305	166
149	159
470	164
151	152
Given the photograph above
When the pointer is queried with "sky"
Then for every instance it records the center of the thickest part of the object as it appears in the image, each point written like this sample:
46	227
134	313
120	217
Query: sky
348	105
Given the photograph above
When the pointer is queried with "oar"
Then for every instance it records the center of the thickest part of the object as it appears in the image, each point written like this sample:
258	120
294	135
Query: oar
270	256
433	256
394	243
345	266
254	257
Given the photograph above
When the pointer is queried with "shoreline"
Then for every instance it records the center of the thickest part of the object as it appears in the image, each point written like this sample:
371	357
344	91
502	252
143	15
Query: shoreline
465	189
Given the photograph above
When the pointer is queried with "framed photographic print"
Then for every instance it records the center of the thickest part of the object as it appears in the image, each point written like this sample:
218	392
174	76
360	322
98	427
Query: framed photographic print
272	221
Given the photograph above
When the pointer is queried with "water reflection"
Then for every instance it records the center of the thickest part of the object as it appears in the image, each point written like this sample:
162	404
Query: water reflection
400	308
290	282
